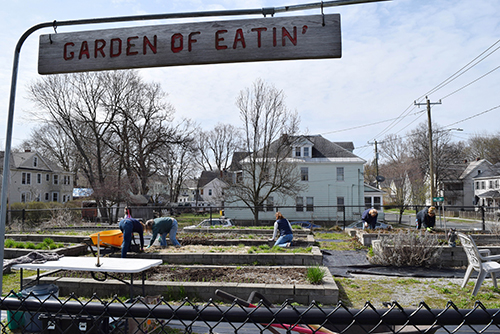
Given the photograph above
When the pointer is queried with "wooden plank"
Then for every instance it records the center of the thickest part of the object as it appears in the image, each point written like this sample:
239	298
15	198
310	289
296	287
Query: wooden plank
266	39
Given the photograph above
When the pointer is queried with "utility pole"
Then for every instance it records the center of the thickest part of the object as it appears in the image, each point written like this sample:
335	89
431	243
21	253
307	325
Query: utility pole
376	161
431	155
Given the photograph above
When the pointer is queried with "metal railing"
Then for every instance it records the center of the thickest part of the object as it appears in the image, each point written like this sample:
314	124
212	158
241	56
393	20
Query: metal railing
54	315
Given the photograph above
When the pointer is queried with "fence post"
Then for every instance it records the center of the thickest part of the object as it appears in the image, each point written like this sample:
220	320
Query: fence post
23	216
482	217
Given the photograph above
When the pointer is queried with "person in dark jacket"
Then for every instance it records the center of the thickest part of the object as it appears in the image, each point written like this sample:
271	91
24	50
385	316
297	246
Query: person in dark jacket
285	231
128	226
163	226
370	218
426	218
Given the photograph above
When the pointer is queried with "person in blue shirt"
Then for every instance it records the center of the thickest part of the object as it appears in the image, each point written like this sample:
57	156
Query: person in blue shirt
285	231
163	226
370	218
128	226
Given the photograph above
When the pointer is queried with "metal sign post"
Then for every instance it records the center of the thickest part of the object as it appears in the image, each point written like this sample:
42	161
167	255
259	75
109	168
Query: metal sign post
271	11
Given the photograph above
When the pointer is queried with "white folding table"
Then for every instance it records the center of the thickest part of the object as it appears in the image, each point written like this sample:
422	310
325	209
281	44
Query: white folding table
106	265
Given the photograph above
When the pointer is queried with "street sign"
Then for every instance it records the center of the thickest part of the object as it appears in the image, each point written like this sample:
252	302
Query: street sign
285	38
438	199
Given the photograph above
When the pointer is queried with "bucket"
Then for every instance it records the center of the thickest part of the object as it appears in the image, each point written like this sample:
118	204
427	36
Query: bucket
15	319
42	292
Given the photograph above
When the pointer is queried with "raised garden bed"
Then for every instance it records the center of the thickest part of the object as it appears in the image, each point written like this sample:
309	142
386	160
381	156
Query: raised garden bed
276	283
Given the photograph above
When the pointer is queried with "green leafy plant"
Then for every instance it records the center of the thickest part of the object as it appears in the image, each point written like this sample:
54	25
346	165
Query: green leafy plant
315	274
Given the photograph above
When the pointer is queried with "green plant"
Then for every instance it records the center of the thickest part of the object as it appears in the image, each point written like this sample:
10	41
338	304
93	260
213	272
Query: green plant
315	274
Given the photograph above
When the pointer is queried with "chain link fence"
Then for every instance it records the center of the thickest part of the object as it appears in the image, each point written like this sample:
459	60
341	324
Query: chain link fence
71	315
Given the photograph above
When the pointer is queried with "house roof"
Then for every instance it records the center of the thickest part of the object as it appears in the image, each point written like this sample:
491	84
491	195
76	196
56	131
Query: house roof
323	148
473	165
18	159
207	176
490	194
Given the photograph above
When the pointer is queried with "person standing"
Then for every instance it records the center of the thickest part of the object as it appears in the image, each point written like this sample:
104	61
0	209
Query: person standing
128	226
163	226
426	218
285	231
370	216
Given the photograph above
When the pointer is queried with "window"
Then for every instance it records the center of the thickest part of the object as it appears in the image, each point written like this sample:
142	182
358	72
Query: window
340	204
38	178
66	180
47	177
483	185
377	202
56	178
297	151
368	202
209	192
306	151
496	184
491	184
309	203
477	185
26	178
299	204
304	173
55	197
25	197
201	191
35	161
47	197
340	173
270	203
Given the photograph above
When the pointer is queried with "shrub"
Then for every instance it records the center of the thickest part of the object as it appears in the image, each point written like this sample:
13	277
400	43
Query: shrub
411	248
315	275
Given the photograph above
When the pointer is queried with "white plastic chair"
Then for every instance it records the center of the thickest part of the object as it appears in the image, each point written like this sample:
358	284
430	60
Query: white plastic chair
484	264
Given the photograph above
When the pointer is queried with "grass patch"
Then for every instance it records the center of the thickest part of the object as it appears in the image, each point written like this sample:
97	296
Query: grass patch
47	244
315	274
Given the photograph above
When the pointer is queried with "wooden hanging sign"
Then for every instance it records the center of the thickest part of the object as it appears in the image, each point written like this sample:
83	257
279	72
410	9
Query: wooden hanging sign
265	39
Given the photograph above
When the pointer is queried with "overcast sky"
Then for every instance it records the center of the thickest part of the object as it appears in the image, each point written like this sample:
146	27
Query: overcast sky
393	53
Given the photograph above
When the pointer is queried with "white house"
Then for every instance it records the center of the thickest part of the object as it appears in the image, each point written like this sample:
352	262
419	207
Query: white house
33	178
461	191
487	187
333	180
211	189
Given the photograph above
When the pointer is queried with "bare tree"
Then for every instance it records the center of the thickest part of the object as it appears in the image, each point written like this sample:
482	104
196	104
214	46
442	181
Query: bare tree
268	128
143	126
51	142
217	146
445	151
484	147
73	104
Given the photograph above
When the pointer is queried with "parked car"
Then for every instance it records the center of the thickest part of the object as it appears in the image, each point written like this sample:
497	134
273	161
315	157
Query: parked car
215	222
361	225
304	224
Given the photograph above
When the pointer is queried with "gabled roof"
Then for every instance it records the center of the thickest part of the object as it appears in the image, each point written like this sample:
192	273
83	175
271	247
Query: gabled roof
323	148
473	165
207	176
18	161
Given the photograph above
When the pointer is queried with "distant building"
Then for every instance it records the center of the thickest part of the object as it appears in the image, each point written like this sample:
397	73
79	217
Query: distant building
333	177
34	178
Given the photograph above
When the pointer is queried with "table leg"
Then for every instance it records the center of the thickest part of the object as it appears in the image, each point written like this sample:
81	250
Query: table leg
21	283
131	285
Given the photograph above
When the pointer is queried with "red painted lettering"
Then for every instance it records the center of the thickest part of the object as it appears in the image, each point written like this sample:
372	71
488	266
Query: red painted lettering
148	43
84	50
99	45
130	45
191	40
68	55
219	39
112	48
285	33
259	30
177	37
238	37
